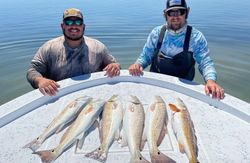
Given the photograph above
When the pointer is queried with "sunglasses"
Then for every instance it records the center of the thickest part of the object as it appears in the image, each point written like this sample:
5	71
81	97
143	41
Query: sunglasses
70	22
179	12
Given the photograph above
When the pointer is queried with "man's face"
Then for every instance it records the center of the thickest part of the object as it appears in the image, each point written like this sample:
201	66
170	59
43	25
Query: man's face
73	28
176	18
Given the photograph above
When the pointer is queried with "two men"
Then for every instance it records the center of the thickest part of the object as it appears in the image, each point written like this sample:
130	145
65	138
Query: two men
171	49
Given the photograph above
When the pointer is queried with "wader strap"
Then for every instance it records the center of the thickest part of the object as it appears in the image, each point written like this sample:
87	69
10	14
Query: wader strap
159	43
187	39
186	42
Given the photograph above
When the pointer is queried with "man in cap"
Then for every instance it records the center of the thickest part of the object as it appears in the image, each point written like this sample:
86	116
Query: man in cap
175	47
70	55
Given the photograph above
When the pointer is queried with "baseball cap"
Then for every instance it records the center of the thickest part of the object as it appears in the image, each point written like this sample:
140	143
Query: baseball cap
176	4
72	12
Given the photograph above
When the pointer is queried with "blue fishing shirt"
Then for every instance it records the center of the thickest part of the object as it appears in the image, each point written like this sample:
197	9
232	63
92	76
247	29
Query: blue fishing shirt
172	44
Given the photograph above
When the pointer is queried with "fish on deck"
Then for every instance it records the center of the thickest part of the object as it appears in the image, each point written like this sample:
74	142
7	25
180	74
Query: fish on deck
184	130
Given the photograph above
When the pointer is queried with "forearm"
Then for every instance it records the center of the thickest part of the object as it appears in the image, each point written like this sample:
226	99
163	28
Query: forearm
207	69
149	49
209	73
145	58
31	76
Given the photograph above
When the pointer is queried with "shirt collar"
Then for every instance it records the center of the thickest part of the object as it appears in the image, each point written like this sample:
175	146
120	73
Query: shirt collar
74	49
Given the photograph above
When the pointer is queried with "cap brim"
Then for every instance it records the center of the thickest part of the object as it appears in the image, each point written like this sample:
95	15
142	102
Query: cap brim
175	7
72	16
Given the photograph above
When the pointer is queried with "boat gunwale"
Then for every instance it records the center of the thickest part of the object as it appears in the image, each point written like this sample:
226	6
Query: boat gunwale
97	79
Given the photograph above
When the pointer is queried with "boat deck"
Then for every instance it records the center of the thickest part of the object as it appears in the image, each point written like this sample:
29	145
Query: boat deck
222	127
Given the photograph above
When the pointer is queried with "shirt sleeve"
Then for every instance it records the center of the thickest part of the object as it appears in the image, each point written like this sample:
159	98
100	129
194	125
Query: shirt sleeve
149	48
202	57
106	56
38	66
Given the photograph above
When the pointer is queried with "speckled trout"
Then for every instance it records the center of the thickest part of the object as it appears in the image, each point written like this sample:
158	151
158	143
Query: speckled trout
133	124
110	126
184	130
156	129
87	117
68	114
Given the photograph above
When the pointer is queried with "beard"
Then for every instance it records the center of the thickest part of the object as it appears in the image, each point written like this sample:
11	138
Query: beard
176	25
76	38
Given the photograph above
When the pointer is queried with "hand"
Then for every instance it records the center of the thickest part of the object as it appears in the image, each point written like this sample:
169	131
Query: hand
135	69
47	86
214	89
112	69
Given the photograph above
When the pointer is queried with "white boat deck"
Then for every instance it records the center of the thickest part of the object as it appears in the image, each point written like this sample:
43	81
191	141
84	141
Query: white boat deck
222	127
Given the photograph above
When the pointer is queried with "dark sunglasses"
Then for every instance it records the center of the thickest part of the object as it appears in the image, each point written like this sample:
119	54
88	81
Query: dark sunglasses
179	12
70	22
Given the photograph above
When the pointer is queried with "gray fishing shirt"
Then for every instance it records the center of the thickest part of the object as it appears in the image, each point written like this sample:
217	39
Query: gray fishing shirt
56	60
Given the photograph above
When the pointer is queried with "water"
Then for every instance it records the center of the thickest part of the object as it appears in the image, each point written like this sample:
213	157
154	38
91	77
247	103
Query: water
123	25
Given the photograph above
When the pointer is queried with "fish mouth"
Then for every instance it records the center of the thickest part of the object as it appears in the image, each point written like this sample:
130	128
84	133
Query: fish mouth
134	100
113	98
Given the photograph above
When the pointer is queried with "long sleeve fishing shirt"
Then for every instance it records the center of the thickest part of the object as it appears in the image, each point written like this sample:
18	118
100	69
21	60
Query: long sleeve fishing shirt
56	60
173	44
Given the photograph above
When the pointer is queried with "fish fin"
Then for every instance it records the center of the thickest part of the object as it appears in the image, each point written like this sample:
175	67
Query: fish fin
100	130
93	126
47	156
60	128
97	154
80	142
81	137
143	140
33	145
181	147
123	140
161	158
120	134
65	125
117	134
162	135
166	121
174	108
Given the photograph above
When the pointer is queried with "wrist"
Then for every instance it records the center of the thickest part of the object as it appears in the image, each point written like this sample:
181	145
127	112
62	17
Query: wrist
38	80
210	81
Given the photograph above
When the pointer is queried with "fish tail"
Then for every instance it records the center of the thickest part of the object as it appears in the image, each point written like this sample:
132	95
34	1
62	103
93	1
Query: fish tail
97	154
160	158
193	160
33	145
138	158
47	156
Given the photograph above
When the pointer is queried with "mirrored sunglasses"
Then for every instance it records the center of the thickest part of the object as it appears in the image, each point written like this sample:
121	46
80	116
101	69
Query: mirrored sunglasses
179	12
70	22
